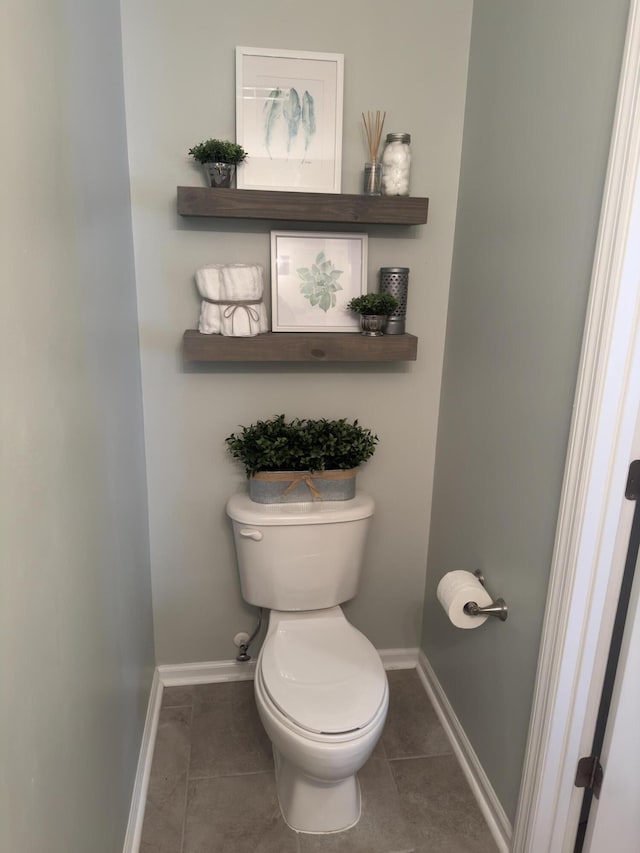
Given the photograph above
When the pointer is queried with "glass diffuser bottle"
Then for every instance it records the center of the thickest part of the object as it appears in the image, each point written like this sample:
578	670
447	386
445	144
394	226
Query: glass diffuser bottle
373	169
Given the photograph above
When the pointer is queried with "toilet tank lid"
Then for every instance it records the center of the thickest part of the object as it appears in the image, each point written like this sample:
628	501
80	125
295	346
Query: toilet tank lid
241	508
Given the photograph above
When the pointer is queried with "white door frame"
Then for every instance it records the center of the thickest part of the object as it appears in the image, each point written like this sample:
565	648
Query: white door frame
615	814
594	516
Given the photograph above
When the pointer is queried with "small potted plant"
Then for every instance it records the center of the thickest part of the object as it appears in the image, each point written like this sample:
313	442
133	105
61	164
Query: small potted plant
219	159
301	459
374	308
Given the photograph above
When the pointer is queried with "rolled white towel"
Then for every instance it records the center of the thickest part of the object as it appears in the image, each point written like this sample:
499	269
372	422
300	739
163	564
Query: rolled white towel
209	284
210	322
232	300
244	315
209	281
241	281
263	320
244	321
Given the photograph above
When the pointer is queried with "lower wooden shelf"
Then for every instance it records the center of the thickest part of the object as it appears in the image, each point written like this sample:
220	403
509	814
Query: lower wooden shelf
299	346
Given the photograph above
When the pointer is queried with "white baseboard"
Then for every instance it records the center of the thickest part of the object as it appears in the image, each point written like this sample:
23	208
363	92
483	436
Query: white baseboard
208	672
145	757
205	672
497	820
399	658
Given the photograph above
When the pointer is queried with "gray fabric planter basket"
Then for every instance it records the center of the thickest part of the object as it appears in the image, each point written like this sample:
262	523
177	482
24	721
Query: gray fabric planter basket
274	487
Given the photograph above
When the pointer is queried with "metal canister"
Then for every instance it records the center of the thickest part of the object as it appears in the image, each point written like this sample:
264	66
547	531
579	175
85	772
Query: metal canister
395	281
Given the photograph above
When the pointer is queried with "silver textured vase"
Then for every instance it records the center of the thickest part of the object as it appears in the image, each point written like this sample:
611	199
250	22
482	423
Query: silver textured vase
373	324
395	281
219	174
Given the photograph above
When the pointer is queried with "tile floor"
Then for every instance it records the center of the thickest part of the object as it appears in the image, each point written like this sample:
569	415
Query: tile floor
212	786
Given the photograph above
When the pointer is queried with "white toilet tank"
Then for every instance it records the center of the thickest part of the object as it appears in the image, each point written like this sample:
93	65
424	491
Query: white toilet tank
303	556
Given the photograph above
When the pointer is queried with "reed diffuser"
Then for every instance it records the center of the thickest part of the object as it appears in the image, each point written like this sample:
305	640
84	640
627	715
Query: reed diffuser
373	126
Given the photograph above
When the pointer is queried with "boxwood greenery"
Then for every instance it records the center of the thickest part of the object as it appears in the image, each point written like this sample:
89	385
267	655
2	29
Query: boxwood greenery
373	303
218	151
301	445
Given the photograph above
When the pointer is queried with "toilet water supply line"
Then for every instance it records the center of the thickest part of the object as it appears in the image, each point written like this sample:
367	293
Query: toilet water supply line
243	654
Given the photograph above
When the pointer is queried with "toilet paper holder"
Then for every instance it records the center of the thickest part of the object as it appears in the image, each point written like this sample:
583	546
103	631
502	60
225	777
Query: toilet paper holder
496	608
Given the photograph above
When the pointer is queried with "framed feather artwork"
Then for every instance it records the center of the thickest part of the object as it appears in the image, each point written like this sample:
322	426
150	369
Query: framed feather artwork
289	119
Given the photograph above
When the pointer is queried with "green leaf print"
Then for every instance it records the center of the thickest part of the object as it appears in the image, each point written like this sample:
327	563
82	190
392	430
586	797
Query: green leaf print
319	283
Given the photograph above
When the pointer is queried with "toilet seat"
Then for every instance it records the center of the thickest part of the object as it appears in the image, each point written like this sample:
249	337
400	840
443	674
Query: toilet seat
323	675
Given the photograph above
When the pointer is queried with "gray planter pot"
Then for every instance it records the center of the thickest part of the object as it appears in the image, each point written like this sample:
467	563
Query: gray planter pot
373	324
275	487
219	174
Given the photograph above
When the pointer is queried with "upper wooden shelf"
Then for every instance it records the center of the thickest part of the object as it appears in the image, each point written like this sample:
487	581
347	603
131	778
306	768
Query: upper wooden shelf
299	346
302	207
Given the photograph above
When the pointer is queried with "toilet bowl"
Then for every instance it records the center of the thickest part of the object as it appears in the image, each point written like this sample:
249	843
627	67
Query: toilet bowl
321	690
322	696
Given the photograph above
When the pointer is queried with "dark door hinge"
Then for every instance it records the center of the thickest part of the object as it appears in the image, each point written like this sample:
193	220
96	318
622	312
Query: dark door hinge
632	490
589	774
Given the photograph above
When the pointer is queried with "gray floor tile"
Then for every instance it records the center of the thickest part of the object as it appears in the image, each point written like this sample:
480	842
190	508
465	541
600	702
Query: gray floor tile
165	806
173	742
222	691
174	697
164	815
227	735
381	828
439	807
213	763
236	814
412	727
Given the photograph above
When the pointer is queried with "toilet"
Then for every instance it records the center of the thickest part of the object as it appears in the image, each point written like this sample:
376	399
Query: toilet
321	690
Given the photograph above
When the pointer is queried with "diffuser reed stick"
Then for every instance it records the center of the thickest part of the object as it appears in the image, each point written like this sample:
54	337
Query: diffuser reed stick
373	130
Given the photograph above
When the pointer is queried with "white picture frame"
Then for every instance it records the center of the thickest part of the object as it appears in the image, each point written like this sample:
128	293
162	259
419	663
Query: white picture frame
313	276
289	119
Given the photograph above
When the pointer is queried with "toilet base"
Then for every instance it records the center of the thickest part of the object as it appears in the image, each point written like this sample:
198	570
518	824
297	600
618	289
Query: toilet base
311	805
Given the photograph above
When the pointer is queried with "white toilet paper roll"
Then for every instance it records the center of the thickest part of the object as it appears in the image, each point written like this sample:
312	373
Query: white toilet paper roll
455	590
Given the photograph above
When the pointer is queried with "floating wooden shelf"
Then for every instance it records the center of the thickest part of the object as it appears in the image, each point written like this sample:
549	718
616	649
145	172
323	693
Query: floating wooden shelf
299	346
302	207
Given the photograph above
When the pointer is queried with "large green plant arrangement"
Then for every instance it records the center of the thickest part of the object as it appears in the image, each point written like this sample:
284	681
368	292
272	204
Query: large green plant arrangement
218	151
301	445
373	303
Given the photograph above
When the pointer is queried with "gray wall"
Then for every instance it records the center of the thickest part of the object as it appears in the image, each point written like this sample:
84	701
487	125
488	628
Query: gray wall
180	86
76	640
541	95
